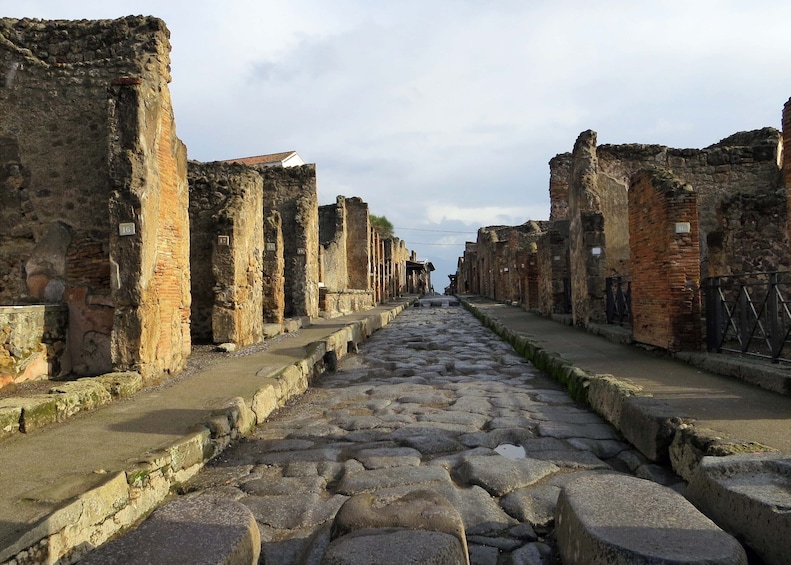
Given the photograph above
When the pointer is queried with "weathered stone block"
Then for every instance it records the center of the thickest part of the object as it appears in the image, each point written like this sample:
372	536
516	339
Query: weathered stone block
606	395
650	424
748	495
618	519
37	411
197	529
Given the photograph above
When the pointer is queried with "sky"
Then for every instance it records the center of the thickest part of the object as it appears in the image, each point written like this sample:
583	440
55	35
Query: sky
443	114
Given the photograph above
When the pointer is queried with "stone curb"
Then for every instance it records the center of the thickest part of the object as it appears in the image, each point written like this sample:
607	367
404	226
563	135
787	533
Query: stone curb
107	504
647	423
24	415
650	425
197	529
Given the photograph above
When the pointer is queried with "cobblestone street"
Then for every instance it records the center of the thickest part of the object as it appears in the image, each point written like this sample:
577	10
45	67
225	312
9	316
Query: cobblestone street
436	402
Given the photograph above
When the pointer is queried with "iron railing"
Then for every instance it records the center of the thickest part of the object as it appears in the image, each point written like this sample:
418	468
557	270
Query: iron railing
619	300
749	314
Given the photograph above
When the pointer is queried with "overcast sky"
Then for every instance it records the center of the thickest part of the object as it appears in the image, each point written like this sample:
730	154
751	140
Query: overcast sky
443	114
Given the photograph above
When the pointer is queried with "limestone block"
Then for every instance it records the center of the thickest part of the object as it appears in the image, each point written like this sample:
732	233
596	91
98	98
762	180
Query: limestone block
122	384
605	518
650	424
37	411
265	401
749	495
271	330
242	418
75	396
190	450
606	396
418	510
197	529
367	547
10	416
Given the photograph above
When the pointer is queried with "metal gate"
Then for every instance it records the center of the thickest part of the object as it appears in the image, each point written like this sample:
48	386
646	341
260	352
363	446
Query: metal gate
749	314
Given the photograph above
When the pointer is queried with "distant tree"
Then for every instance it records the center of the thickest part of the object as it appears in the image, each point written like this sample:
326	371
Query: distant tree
382	225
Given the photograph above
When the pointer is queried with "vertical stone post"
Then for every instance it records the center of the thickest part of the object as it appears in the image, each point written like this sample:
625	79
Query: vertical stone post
586	234
787	158
359	247
292	191
665	259
273	287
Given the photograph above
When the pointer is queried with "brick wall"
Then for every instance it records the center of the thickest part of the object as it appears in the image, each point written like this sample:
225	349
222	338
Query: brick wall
663	227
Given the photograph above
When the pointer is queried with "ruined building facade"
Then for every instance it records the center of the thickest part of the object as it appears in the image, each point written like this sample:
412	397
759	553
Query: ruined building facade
94	193
649	218
116	251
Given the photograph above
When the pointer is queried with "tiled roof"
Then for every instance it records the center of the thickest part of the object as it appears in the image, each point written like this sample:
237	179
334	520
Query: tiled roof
262	159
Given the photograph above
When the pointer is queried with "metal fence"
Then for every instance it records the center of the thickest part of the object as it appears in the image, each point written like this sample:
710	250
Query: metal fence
619	300
749	314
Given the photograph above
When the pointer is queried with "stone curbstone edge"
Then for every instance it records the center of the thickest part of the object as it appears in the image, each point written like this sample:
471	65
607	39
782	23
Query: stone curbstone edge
123	498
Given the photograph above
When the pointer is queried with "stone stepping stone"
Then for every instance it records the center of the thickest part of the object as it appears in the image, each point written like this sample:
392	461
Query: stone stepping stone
418	527
604	518
750	495
197	530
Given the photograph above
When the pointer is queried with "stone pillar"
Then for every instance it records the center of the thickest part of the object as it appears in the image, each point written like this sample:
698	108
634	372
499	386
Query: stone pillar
559	179
359	245
226	253
663	231
333	240
586	234
292	192
273	289
787	158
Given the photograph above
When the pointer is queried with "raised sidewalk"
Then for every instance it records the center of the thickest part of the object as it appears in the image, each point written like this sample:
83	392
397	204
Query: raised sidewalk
68	487
729	439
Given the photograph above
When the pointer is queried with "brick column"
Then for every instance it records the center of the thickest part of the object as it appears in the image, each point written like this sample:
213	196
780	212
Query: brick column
664	253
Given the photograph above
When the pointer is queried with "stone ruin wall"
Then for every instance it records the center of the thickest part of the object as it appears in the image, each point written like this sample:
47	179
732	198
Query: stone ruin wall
72	93
358	244
587	232
559	179
552	256
333	240
226	253
353	268
736	179
292	192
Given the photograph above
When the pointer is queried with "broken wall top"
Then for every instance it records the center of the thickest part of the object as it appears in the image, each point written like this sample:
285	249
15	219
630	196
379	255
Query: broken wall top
121	46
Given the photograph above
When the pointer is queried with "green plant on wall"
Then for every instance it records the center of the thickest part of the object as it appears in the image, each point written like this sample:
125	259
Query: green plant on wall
382	225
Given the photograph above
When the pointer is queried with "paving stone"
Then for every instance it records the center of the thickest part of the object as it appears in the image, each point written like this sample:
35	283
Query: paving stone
484	555
285	485
198	530
608	518
479	511
499	475
394	547
570	458
386	478
532	554
563	430
533	505
379	458
292	511
417	510
604	448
